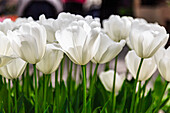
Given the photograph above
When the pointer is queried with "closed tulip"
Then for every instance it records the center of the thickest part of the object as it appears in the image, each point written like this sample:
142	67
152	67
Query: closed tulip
51	60
14	69
108	49
49	26
117	28
79	42
29	42
163	62
148	66
146	38
107	80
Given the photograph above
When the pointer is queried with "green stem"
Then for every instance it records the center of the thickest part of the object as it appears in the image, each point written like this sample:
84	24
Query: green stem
107	66
61	70
45	91
15	94
23	82
84	87
56	101
160	99
36	96
93	80
113	104
70	86
75	71
27	81
138	97
134	89
5	81
9	96
91	69
143	95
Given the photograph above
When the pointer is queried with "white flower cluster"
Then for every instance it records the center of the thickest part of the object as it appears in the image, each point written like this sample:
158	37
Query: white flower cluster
82	39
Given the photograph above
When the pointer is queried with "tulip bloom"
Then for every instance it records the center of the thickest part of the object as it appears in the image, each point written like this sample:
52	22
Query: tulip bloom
108	49
163	62
51	60
29	42
6	25
146	39
14	69
78	42
6	53
49	26
148	66
117	28
107	80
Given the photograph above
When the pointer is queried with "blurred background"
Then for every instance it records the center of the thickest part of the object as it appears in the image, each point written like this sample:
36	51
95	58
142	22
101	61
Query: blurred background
151	10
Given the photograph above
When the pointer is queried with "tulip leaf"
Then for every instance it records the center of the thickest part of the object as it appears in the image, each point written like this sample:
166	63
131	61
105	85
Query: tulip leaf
158	87
4	97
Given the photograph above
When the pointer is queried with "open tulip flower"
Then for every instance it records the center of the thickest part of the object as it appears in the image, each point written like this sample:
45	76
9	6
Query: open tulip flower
146	38
29	42
108	49
79	42
117	27
51	60
147	69
163	62
107	80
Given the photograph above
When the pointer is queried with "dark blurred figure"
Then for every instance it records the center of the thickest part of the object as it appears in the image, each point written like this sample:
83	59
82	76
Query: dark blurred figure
74	6
34	8
109	7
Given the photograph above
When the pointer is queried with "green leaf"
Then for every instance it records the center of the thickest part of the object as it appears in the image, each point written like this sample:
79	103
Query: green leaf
96	110
147	106
4	98
158	87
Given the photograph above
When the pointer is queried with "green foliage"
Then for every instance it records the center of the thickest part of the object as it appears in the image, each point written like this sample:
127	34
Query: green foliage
67	97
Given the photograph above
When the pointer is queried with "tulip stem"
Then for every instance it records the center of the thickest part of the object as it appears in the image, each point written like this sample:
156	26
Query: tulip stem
160	99
56	101
93	80
138	97
70	86
61	70
27	79
36	97
113	104
45	91
134	89
9	96
15	94
84	87
91	69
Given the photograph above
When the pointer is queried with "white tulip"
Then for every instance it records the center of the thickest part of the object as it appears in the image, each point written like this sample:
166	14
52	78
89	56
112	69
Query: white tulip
29	42
107	80
148	66
14	69
146	39
49	26
6	25
108	49
117	28
162	58
51	60
6	53
78	42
